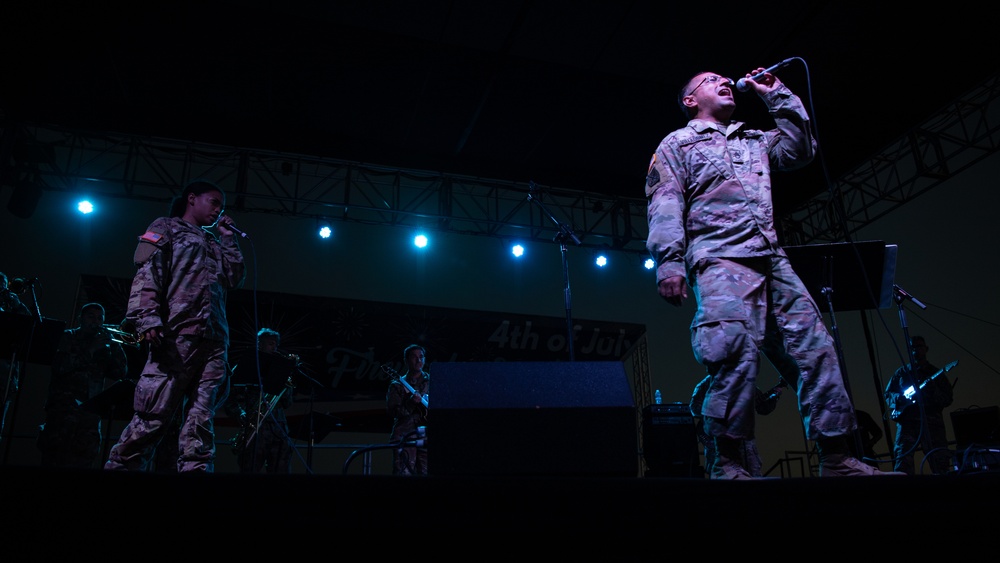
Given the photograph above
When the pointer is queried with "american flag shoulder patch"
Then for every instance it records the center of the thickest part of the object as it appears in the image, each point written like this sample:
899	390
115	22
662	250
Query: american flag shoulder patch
152	237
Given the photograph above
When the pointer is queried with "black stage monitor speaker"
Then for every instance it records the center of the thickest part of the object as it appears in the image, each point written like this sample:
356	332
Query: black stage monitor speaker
976	427
669	442
531	419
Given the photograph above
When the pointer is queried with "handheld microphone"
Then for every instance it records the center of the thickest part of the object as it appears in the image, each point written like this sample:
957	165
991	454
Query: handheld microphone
742	85
236	230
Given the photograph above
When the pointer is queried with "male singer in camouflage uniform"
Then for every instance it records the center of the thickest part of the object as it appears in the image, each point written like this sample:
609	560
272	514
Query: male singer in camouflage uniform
86	356
178	305
711	225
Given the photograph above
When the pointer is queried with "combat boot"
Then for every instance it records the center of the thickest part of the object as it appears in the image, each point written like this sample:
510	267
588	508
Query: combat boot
728	462
835	460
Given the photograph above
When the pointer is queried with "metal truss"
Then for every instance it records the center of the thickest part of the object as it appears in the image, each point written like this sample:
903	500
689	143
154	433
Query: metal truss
143	168
641	391
962	134
295	185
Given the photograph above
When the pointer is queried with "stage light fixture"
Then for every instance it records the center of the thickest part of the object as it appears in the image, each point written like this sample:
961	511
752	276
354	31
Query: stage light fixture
517	250
325	231
85	206
420	241
601	261
649	264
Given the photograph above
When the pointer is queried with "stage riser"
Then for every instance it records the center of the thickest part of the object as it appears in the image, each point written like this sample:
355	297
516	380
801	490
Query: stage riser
532	419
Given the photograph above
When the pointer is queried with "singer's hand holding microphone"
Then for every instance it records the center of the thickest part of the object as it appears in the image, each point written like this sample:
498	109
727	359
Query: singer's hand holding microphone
743	86
226	222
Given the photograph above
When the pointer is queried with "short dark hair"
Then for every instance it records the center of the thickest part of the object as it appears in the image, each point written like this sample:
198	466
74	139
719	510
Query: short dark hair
197	187
683	92
92	306
269	333
412	347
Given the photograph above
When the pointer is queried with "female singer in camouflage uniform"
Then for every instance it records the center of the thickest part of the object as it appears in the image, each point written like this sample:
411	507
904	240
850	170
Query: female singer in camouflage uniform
178	306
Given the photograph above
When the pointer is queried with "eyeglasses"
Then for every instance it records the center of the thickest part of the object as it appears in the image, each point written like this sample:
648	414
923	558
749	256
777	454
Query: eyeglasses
711	80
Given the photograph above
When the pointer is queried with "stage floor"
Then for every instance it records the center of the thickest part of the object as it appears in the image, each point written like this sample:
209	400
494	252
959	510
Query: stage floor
40	505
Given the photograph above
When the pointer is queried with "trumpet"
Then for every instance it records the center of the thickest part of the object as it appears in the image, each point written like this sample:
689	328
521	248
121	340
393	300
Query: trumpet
123	337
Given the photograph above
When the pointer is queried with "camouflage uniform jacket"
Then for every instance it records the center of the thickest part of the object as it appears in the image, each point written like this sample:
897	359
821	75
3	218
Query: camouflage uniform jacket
184	272
708	186
406	414
80	366
937	393
10	302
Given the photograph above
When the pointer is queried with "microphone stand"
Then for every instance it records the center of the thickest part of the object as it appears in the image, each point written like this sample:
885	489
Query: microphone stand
11	396
827	292
899	295
565	233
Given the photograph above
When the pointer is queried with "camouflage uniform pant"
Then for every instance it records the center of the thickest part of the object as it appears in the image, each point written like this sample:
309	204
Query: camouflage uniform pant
759	305
190	374
935	443
409	461
270	450
70	438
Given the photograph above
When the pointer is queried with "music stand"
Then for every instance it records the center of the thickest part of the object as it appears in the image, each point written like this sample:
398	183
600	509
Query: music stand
275	370
23	339
313	428
114	403
846	265
21	336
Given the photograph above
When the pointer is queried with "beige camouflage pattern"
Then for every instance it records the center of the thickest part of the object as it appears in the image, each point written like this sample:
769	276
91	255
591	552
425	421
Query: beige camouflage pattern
83	361
711	220
709	186
182	287
407	418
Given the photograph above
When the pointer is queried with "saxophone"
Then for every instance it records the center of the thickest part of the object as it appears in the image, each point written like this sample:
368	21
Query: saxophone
248	430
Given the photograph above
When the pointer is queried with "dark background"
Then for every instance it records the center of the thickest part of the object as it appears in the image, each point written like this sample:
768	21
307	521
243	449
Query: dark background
574	94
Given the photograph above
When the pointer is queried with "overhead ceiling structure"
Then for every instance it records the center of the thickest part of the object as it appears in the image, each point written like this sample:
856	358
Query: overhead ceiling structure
482	100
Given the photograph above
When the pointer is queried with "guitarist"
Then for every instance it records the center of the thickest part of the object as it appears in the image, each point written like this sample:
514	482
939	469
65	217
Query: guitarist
935	395
406	404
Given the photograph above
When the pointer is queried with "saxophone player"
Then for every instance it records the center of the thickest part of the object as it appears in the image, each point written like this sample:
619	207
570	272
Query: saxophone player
263	444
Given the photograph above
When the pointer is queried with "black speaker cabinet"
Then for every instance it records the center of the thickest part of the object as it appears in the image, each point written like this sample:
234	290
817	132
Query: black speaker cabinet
669	444
976	427
531	419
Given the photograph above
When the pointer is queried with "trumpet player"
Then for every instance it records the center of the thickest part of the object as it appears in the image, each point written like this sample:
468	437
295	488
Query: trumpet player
263	444
86	358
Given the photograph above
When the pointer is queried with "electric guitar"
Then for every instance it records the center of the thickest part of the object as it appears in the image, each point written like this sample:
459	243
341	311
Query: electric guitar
909	392
399	379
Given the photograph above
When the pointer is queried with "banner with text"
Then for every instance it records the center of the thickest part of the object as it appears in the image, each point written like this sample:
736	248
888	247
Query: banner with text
343	343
